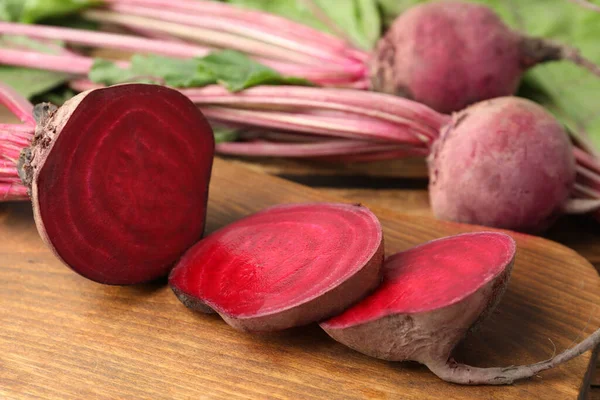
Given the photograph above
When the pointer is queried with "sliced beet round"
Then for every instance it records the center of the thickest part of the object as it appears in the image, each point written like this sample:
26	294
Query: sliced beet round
119	180
285	266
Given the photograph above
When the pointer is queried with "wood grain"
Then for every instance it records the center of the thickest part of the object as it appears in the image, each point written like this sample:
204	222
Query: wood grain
63	337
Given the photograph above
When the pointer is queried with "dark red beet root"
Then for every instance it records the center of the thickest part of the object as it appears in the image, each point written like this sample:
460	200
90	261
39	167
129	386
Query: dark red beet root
450	54
119	181
431	296
285	266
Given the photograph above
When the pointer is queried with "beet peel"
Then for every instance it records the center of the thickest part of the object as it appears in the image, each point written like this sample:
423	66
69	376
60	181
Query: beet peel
285	266
118	179
511	161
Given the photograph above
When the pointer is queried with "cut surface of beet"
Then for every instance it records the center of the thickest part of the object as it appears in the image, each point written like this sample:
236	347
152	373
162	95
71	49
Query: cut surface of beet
285	266
434	275
120	181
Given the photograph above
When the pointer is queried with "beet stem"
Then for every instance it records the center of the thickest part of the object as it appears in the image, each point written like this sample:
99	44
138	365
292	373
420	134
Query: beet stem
587	160
284	27
15	129
539	50
467	375
81	65
205	36
12	192
393	106
378	156
103	39
227	25
303	150
256	101
587	4
582	190
581	206
48	62
588	174
330	126
17	104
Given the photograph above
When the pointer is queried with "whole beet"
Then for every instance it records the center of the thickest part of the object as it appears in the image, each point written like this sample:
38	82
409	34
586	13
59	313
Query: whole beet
450	54
505	162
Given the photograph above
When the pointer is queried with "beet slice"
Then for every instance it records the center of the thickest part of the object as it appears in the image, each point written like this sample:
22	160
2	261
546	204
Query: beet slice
430	297
119	180
285	266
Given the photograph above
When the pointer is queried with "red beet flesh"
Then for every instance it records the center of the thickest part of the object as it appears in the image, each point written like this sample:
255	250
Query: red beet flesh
119	180
430	297
432	276
286	266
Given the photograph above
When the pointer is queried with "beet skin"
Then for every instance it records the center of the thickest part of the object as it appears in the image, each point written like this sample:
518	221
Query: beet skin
506	163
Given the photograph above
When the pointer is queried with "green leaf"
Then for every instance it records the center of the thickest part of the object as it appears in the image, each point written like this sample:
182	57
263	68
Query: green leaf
224	134
30	11
31	82
358	19
11	10
236	71
229	68
109	73
174	72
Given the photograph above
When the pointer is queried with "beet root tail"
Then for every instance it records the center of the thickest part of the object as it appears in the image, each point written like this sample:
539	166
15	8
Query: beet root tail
539	50
462	374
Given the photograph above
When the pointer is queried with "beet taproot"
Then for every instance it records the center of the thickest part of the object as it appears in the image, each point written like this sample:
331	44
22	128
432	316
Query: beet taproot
451	54
118	179
431	297
285	266
506	163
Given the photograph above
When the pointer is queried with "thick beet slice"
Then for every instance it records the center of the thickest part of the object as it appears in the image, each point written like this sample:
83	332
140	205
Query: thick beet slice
285	266
119	181
430	297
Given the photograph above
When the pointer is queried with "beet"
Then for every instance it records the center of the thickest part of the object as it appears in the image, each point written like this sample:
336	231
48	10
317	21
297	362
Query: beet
431	296
450	54
285	266
119	180
511	162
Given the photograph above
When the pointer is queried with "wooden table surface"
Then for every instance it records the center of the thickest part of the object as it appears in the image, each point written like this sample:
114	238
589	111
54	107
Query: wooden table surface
64	337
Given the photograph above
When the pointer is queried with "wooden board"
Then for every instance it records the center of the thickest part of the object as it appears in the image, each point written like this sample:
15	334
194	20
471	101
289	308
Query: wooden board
62	337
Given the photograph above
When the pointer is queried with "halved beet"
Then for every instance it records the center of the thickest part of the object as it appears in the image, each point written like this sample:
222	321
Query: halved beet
119	180
285	266
431	296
